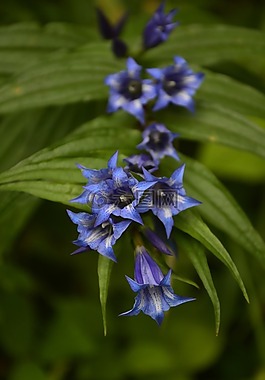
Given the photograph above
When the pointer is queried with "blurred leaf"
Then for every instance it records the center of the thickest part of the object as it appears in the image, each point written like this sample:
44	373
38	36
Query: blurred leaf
63	78
228	163
27	370
216	124
104	271
193	225
205	45
25	43
221	209
196	253
68	334
231	94
16	324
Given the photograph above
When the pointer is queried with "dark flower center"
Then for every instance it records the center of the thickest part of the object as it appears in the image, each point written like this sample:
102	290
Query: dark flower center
172	83
158	141
133	89
122	197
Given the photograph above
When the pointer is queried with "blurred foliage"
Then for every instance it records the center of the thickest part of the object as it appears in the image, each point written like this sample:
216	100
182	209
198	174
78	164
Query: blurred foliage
50	317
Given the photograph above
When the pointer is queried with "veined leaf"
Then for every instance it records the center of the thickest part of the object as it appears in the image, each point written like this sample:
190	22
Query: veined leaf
231	94
196	253
52	174
63	78
25	43
189	222
104	271
221	209
205	45
216	124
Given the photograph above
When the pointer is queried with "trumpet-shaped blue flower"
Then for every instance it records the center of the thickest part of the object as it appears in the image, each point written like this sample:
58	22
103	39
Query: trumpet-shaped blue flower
96	179
159	27
154	292
128	91
137	162
157	140
176	84
165	197
100	238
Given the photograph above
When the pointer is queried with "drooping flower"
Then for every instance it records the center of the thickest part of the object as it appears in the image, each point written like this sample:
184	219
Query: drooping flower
128	91
159	27
176	84
165	197
154	292
96	179
156	241
106	29
137	162
157	140
100	238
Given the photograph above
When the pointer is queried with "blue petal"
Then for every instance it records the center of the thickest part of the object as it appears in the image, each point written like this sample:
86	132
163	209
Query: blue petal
129	212
135	310
166	280
165	215
176	178
134	285
119	176
135	108
132	67
105	248
186	202
112	163
104	214
115	102
162	101
156	73
146	269
119	228
82	198
157	242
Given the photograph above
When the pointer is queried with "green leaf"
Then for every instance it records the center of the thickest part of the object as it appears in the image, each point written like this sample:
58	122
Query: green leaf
26	43
231	94
228	163
218	125
205	45
196	253
193	225
221	209
104	271
52	174
63	78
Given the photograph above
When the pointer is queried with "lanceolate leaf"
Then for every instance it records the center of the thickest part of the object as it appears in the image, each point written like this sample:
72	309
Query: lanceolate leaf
216	124
62	78
204	45
196	253
104	271
221	209
23	44
193	225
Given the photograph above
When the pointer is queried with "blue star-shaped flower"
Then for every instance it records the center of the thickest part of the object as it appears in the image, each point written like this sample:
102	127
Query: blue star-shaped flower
100	238
137	162
96	179
165	197
176	84
155	294
159	27
157	140
117	197
128	91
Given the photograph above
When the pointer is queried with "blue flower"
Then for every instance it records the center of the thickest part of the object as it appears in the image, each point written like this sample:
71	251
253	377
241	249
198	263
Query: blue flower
165	197
137	162
117	197
96	179
157	140
159	27
156	241
128	91
100	238
154	292
176	84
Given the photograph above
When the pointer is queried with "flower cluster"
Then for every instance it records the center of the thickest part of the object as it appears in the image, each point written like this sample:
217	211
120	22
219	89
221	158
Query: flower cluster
131	196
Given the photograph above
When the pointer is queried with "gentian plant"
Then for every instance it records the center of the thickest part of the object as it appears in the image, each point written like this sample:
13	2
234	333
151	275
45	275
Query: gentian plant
134	172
